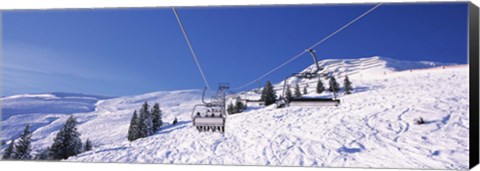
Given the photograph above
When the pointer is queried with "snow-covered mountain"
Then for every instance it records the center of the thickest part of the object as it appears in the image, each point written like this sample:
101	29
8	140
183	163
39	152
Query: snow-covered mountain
363	68
373	127
48	103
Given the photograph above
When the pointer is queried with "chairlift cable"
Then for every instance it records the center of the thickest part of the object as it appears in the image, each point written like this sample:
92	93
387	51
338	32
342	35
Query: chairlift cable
311	47
191	48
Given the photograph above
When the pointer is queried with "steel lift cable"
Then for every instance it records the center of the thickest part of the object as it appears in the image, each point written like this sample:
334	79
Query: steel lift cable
191	48
311	47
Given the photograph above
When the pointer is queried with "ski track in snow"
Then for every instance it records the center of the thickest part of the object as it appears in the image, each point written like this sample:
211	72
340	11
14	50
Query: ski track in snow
373	127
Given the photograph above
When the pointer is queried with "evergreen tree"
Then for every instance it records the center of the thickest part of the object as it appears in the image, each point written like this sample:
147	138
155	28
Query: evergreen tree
9	153
175	121
156	117
297	93
88	145
288	94
305	90
268	94
23	146
334	86
134	130
230	108
320	87
348	85
146	123
67	142
239	107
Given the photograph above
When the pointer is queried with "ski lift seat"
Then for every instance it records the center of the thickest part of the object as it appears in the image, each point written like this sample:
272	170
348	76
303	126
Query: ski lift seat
314	102
209	121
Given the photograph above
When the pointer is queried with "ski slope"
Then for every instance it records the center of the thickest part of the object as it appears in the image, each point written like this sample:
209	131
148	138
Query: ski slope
373	127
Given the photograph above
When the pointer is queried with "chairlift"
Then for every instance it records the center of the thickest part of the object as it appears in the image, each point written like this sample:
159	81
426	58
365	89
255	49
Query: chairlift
315	60
211	116
283	102
304	101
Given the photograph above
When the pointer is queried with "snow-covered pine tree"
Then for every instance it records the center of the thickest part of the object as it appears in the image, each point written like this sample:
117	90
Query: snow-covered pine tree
348	85
23	146
239	107
156	117
297	93
230	108
67	142
134	130
320	87
88	145
288	93
146	122
9	153
334	86
305	90
268	94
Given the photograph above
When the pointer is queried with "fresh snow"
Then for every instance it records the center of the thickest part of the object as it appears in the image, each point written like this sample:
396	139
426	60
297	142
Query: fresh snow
65	103
373	127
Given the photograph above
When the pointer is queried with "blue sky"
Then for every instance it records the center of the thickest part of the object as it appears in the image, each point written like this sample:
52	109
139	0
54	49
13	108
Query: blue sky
118	52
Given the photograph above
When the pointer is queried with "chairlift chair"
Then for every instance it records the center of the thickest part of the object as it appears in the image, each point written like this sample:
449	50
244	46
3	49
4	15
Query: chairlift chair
283	102
211	116
313	101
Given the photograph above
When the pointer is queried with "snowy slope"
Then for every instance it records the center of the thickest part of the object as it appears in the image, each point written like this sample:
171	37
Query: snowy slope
364	68
105	124
48	103
371	128
41	110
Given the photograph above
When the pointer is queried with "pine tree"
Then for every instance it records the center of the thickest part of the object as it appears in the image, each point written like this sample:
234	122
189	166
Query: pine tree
175	121
230	108
348	85
288	94
67	142
146	123
156	117
134	130
334	87
88	145
239	107
297	93
305	90
23	146
320	87
9	153
268	94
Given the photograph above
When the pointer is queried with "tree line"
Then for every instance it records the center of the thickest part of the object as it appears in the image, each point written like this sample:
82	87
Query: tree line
238	107
145	122
66	143
269	96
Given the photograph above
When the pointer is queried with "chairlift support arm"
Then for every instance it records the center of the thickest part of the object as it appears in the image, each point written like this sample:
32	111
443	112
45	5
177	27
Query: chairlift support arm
314	56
